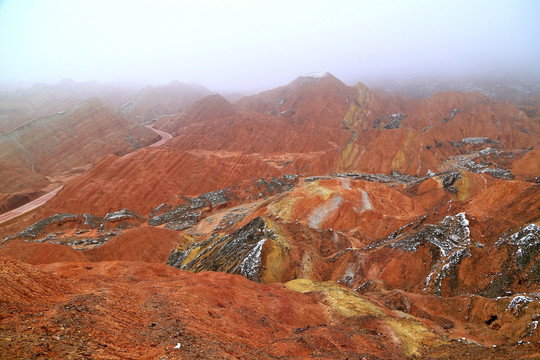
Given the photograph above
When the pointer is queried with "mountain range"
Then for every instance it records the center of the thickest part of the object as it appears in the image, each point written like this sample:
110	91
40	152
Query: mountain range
313	220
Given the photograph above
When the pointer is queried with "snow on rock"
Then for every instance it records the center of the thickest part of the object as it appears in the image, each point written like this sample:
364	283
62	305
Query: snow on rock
118	215
348	276
236	253
518	301
452	239
533	325
317	75
450	234
526	243
250	267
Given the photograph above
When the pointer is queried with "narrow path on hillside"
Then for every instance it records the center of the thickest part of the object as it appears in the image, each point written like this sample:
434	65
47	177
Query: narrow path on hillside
165	136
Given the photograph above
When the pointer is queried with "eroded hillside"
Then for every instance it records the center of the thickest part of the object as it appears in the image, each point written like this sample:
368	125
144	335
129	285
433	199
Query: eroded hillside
312	220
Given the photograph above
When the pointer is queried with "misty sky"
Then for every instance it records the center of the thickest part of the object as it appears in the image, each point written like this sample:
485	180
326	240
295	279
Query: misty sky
239	45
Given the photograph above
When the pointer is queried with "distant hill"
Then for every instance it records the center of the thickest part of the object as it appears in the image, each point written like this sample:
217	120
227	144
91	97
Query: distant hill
154	101
65	143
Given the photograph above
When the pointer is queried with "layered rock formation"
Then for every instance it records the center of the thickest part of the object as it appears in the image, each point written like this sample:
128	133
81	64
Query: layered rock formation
350	223
123	309
315	125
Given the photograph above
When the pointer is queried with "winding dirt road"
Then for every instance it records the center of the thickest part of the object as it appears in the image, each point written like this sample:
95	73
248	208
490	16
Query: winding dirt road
165	136
43	199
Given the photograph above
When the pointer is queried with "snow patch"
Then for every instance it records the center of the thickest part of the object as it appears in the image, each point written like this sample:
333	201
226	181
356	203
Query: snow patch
348	276
250	266
317	75
451	236
526	240
519	300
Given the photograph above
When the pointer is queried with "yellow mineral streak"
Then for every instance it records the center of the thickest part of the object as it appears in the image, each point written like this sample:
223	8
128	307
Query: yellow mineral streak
406	329
275	255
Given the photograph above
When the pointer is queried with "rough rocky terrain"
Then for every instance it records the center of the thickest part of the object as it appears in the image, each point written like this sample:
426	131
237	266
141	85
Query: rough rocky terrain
315	220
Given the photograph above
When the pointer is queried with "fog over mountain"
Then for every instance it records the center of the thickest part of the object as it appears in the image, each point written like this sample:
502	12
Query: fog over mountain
247	46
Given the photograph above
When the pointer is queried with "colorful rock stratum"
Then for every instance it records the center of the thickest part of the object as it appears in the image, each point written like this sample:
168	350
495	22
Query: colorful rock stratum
315	220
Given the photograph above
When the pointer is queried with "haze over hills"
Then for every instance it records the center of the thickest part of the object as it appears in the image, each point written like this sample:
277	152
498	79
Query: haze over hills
142	104
42	152
155	101
315	219
517	88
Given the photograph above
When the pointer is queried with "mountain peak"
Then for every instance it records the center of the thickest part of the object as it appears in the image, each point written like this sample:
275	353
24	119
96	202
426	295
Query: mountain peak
316	75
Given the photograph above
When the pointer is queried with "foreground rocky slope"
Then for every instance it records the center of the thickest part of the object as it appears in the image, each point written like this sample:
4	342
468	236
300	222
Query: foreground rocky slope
139	310
401	243
312	220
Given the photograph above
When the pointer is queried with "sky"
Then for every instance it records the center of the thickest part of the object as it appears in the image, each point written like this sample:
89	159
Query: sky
239	45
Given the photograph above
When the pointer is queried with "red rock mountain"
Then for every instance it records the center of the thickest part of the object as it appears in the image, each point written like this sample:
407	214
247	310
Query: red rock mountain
315	125
329	221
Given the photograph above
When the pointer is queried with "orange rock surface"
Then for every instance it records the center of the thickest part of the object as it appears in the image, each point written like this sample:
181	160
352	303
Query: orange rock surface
41	253
149	244
141	310
364	225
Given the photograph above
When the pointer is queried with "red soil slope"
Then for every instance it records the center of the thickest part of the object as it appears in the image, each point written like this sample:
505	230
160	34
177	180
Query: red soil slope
140	310
41	253
145	243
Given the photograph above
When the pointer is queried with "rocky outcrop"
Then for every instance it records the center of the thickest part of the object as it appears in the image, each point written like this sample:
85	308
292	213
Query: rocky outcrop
237	253
56	226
